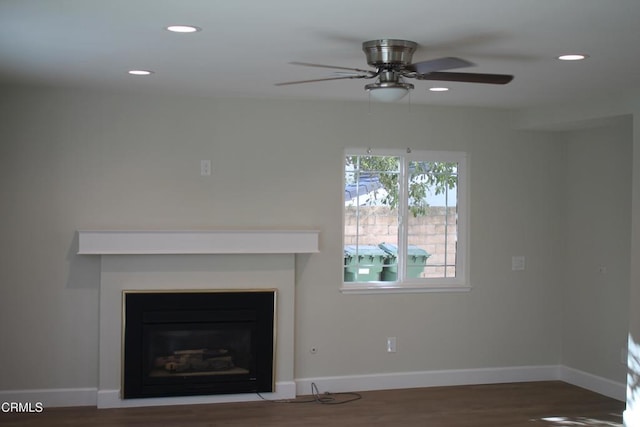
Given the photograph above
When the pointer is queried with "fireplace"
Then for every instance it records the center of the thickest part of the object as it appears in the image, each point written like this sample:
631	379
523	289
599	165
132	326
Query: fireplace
179	343
187	261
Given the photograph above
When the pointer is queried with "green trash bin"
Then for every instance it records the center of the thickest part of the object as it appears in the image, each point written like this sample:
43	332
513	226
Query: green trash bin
416	260
363	263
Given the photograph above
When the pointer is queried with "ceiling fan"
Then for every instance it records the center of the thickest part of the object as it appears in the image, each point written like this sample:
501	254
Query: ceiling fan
391	59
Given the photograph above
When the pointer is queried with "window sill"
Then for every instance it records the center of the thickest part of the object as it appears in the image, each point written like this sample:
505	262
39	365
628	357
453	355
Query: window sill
398	288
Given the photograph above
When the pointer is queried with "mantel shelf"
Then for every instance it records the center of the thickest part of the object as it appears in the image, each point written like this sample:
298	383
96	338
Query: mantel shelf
207	241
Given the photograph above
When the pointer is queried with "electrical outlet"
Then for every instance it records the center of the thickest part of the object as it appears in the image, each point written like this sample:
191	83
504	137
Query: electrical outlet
392	345
205	167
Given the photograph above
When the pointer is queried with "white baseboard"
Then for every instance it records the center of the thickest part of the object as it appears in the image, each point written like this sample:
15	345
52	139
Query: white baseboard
52	397
429	379
390	381
302	386
594	383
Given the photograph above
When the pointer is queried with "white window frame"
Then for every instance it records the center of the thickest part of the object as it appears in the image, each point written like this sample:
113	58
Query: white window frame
460	283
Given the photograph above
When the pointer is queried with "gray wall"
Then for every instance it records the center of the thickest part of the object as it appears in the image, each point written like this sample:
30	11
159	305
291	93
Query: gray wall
72	159
597	243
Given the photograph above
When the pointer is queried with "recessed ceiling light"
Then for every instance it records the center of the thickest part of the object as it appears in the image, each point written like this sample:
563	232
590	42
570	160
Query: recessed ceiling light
140	72
438	89
573	57
183	28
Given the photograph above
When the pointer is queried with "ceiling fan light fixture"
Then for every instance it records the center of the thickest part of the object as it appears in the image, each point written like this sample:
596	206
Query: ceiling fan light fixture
388	91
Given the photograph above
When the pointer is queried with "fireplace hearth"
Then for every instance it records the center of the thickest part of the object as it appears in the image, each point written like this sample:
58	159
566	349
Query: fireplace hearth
187	343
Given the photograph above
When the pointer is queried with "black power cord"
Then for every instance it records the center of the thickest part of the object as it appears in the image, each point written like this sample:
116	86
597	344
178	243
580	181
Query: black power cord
323	399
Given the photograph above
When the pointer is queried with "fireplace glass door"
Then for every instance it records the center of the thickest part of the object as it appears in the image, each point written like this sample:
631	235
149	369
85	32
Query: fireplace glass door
197	343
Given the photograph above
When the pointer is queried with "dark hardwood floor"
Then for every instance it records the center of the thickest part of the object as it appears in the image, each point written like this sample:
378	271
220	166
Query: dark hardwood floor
549	403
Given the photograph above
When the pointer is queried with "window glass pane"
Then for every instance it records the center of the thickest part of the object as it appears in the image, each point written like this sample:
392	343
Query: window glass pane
432	229
370	216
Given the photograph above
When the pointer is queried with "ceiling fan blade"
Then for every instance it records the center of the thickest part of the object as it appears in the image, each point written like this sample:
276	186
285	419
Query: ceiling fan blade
307	64
496	79
438	64
323	79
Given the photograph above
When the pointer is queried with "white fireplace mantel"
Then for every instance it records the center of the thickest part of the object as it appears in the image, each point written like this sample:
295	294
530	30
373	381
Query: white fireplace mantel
205	241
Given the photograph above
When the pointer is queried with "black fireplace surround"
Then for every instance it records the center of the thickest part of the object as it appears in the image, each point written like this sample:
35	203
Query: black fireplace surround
198	343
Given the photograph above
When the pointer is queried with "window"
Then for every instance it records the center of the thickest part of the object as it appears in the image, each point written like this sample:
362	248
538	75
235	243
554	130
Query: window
404	221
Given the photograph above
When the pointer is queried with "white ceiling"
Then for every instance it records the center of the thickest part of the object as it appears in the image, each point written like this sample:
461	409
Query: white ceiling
245	46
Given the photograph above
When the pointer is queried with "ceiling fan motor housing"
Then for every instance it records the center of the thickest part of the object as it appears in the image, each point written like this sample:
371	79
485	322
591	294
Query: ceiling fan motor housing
383	53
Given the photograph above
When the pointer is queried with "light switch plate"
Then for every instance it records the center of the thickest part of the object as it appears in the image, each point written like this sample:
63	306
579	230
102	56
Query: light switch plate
517	263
